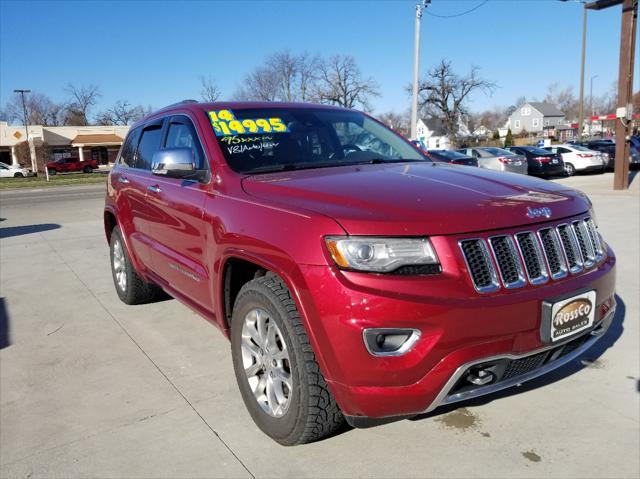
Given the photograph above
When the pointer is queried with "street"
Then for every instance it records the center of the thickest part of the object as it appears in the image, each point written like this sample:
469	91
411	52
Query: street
90	387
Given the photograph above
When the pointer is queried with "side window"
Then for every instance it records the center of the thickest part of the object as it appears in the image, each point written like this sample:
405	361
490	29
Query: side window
149	144
129	148
563	150
182	134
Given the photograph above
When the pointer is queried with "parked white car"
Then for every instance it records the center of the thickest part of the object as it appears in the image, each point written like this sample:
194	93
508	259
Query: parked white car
578	158
8	171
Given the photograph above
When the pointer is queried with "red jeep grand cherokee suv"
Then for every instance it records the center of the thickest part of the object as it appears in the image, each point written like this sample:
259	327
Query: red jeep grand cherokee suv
354	277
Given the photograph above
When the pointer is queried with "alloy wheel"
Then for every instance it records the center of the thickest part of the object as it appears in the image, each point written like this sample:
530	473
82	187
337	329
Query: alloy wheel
119	265
266	362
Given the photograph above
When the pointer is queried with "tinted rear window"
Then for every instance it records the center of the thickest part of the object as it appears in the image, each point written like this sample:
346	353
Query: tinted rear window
129	148
534	150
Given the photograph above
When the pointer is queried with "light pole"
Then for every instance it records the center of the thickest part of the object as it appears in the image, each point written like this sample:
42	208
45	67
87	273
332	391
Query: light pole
416	67
584	48
591	104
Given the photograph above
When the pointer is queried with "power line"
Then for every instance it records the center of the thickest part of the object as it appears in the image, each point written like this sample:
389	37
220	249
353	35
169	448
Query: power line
457	14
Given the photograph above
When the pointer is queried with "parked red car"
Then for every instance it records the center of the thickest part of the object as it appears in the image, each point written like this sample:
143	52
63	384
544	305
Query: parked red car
67	165
354	277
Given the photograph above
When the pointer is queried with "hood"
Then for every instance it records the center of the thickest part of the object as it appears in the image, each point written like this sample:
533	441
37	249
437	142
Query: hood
417	198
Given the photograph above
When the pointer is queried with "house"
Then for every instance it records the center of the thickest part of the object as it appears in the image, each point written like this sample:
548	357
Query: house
482	132
432	133
534	117
99	143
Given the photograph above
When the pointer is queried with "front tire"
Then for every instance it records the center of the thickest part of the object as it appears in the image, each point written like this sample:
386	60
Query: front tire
278	376
87	169
52	172
131	288
18	175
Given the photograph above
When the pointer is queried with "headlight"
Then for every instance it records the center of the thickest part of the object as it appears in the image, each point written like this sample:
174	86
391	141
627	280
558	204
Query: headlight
380	255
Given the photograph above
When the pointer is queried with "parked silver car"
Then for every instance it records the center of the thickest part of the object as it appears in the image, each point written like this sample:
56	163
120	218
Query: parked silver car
497	159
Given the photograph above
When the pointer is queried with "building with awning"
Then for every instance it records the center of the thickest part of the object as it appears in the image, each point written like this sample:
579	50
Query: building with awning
99	143
103	146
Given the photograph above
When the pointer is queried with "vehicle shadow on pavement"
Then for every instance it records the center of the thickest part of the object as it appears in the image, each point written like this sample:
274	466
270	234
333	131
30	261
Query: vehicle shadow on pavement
588	359
27	229
4	324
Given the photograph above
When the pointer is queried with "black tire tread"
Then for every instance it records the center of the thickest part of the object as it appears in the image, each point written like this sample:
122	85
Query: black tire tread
324	417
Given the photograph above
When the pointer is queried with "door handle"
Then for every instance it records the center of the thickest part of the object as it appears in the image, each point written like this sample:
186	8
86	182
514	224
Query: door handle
123	179
154	188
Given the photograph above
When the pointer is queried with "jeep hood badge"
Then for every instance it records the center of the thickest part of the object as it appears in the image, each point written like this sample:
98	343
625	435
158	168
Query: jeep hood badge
539	212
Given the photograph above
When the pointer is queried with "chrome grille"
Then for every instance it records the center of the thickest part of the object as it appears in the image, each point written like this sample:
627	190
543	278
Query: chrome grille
584	241
532	256
571	250
509	265
479	264
553	252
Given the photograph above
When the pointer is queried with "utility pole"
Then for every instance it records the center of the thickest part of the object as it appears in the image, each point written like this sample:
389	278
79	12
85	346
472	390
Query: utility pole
30	145
624	112
26	126
416	67
584	48
591	105
625	85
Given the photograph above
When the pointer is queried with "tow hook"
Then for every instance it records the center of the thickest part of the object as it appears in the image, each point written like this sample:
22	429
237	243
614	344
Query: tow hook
480	377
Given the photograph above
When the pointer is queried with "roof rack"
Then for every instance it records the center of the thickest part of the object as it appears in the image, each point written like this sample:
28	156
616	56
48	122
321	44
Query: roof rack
181	103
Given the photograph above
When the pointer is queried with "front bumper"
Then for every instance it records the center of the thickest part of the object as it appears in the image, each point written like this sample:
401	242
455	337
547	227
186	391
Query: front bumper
458	328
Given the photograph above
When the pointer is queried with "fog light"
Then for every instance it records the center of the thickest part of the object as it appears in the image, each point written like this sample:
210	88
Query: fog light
390	341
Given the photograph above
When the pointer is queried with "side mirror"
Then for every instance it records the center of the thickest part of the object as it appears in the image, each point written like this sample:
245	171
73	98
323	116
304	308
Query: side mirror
174	163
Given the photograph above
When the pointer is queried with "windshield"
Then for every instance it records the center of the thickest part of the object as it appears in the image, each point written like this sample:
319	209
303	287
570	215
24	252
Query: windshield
276	139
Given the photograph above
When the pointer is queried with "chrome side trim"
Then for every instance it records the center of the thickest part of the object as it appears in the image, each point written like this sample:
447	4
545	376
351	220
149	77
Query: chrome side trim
442	398
402	350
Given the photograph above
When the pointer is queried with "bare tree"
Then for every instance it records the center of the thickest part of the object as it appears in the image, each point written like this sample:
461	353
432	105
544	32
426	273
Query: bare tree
283	76
261	84
285	68
122	113
564	99
308	69
445	94
82	100
41	110
400	122
341	83
209	90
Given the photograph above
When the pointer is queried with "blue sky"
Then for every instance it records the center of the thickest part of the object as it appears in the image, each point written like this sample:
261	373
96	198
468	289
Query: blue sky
153	53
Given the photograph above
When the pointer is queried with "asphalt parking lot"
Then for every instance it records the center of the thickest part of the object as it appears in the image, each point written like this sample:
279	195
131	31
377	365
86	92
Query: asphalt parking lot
90	387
